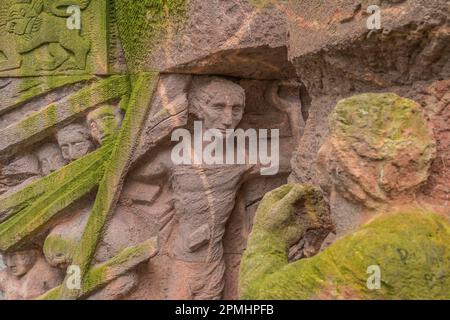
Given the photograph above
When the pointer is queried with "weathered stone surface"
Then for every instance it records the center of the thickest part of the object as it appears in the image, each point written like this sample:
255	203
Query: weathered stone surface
35	38
379	152
27	275
39	124
87	117
235	38
410	249
336	59
331	50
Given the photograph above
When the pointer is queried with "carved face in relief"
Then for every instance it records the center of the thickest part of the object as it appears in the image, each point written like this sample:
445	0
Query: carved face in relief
50	158
74	141
103	123
20	262
58	250
218	102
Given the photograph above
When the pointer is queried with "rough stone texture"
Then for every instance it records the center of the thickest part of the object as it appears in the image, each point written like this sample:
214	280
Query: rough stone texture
410	249
336	58
234	38
35	39
85	169
379	152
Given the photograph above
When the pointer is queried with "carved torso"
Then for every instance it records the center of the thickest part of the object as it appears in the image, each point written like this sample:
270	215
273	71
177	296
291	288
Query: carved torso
204	198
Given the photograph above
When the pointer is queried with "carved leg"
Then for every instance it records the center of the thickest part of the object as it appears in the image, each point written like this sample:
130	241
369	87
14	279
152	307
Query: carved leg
79	47
59	56
13	60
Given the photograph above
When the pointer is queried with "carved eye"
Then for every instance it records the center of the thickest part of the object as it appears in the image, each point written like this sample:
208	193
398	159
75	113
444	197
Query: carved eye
237	110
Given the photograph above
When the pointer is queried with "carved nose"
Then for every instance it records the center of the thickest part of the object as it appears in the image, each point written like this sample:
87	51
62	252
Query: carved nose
227	121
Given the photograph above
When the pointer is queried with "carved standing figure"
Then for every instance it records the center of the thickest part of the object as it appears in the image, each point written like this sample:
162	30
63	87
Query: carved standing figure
204	195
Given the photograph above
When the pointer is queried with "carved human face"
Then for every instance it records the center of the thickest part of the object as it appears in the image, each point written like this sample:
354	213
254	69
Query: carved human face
224	111
103	123
50	158
20	262
58	251
220	104
74	143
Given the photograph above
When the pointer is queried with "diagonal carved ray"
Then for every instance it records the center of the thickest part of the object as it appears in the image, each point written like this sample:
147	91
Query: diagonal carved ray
38	125
22	90
72	182
110	186
106	272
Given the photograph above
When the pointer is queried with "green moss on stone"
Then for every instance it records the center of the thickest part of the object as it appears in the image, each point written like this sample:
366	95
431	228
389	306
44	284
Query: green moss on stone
283	216
143	23
39	123
44	199
410	248
100	275
384	122
111	184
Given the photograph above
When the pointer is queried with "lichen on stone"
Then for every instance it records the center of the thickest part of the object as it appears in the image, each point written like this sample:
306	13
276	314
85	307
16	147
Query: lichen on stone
379	149
116	168
143	23
411	250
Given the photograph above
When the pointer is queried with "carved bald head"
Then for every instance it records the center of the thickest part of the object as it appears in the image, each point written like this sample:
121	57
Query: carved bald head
74	141
103	123
50	158
379	149
218	102
20	262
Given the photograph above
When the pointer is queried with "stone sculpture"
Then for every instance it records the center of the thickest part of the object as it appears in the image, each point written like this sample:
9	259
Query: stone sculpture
197	249
88	118
50	158
27	275
103	123
385	243
74	141
31	24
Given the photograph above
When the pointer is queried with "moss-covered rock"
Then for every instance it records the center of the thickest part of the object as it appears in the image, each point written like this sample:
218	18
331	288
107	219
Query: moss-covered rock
116	169
142	23
102	274
411	250
379	149
283	219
